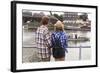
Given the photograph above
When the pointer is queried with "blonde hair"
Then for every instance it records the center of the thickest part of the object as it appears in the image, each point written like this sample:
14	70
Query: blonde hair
59	26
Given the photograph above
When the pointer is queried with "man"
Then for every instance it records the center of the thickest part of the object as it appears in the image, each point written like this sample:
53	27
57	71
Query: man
43	40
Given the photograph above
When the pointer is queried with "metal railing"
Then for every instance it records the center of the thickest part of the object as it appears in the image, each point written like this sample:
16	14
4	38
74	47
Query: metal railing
79	47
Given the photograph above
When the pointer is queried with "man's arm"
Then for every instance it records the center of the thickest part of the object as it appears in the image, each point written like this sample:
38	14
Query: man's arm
47	38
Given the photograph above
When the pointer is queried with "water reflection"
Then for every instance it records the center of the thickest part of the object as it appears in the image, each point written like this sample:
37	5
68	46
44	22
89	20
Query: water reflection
29	38
82	39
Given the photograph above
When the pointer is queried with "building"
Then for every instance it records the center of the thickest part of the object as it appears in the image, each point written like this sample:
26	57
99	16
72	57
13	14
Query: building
70	19
75	20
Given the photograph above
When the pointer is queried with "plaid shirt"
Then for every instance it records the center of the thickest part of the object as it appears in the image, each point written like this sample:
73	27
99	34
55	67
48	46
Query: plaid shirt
63	38
43	42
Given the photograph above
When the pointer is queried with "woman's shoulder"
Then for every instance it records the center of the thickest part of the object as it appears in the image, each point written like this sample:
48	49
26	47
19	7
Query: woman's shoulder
64	34
53	33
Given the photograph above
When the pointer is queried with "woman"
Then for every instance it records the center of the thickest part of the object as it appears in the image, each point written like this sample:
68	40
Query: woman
59	42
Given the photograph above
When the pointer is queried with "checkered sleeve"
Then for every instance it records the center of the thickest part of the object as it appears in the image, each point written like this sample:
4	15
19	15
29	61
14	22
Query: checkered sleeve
47	38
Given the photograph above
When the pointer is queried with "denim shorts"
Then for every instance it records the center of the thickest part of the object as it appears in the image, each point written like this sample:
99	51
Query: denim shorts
58	52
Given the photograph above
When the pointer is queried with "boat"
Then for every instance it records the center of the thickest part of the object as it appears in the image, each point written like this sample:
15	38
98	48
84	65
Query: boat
76	37
79	39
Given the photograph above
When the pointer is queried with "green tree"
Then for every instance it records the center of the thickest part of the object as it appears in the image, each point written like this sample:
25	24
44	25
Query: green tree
60	17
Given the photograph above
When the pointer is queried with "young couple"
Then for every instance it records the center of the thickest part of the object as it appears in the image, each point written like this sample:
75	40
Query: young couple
55	43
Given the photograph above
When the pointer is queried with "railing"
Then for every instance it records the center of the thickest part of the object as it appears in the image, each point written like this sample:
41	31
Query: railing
79	47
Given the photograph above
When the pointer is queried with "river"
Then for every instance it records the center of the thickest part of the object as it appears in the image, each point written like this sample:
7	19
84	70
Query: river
29	38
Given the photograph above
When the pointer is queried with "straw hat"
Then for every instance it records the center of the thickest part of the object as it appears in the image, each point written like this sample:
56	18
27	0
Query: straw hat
59	26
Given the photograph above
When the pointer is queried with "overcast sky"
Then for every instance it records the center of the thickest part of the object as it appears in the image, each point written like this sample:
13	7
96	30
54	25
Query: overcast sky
45	12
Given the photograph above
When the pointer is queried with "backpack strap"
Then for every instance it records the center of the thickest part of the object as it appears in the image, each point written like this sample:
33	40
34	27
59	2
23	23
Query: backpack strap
57	42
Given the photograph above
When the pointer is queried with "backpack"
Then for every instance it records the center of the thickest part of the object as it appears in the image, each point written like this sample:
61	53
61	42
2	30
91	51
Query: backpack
57	42
57	50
